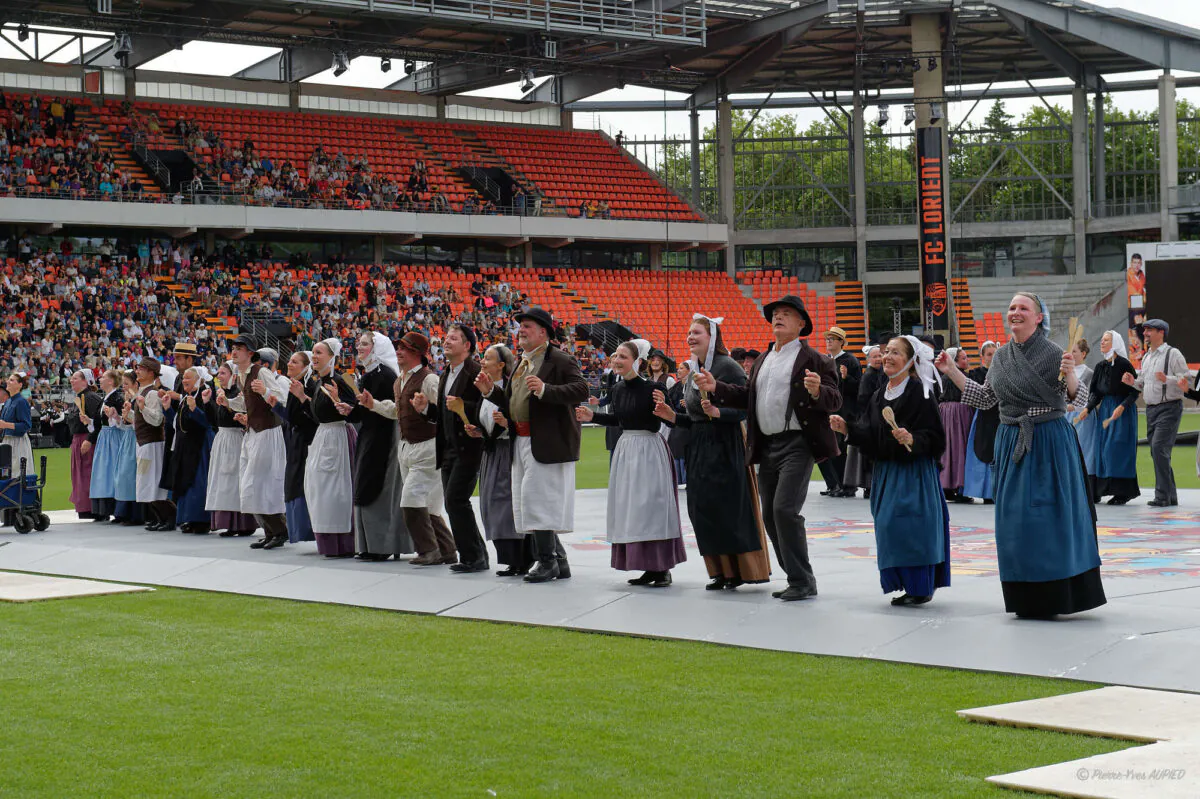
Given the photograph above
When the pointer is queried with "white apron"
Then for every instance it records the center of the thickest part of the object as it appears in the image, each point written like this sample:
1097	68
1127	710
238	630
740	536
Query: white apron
642	500
327	485
224	466
21	448
422	480
262	466
543	493
149	472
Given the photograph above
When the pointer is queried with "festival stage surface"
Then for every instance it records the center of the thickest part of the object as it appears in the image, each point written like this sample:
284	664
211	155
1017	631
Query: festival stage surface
1148	635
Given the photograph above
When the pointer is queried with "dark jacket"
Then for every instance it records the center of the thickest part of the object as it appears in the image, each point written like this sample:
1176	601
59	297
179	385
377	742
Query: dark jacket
376	437
450	433
848	385
915	412
812	414
554	430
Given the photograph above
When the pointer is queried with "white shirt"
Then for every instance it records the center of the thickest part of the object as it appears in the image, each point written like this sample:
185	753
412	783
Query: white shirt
774	389
450	378
1167	359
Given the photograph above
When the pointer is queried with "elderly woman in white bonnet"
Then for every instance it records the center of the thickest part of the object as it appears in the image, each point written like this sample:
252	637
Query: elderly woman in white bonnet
328	484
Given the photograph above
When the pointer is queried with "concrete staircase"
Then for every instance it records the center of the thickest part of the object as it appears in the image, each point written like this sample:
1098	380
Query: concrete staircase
851	315
122	156
964	315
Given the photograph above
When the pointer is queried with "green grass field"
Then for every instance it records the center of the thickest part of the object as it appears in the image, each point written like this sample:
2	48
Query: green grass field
592	471
181	693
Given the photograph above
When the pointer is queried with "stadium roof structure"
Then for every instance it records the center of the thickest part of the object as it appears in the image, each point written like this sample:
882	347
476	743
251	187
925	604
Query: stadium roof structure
707	48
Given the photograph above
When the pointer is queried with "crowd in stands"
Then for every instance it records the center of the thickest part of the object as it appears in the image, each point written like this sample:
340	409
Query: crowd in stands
43	151
63	311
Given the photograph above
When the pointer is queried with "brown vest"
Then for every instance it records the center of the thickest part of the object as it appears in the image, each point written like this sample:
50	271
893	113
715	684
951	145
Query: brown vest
414	427
146	433
259	416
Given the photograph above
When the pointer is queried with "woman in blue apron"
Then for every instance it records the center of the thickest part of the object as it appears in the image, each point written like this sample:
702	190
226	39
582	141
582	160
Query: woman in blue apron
912	522
981	442
1113	406
1085	423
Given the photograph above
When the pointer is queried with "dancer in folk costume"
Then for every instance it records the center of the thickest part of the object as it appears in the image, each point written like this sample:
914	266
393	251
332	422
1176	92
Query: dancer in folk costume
223	500
191	453
1113	406
328	482
103	489
82	418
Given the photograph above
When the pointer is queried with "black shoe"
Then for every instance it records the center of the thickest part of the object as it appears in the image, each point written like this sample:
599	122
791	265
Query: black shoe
1119	500
1159	503
908	600
829	492
564	569
99	519
989	502
167	528
777	594
154	527
866	493
963	500
371	556
228	533
645	579
468	568
847	493
730	585
131	523
717	584
510	571
274	543
543	572
661	580
796	592
261	543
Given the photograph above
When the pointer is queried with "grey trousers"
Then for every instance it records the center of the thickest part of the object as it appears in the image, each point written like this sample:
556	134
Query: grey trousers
1162	425
783	476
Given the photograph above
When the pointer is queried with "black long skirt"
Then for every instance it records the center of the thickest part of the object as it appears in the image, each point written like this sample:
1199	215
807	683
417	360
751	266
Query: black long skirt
1054	597
718	491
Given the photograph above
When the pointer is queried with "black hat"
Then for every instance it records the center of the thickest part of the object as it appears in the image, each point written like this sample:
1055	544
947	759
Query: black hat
792	301
244	340
751	354
737	353
537	314
468	333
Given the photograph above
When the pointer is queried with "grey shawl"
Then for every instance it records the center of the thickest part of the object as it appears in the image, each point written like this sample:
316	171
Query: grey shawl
1026	376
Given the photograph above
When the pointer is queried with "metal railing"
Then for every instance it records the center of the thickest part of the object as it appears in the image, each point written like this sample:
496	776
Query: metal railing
480	174
152	162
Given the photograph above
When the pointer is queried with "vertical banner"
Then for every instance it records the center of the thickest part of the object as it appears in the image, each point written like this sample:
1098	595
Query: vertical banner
931	224
1135	296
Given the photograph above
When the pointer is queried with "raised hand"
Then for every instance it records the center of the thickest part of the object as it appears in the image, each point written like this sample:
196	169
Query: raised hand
943	363
484	383
206	395
343	408
366	400
583	414
837	424
420	402
812	382
296	389
705	381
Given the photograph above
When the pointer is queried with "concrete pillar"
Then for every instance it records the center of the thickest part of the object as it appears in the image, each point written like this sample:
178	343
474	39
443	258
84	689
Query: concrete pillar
440	107
656	251
210	241
566	119
1080	209
725	184
1099	166
294	96
1168	155
929	86
528	248
858	161
694	122
377	241
131	84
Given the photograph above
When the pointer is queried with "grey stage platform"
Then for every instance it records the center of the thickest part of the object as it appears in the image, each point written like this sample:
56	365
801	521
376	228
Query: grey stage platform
1148	635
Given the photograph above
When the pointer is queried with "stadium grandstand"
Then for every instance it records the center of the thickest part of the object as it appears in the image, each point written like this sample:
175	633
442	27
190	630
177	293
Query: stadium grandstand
139	205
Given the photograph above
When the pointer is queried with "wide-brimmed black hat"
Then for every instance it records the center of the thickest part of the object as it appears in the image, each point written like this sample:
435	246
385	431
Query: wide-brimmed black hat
244	340
792	301
539	315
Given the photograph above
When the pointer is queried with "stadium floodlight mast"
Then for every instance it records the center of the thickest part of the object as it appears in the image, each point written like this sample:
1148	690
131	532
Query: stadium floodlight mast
123	47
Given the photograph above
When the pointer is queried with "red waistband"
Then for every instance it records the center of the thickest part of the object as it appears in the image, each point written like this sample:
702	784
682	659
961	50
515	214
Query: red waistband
522	428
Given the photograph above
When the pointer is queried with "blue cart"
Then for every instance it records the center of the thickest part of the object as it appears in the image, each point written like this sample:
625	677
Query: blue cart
21	494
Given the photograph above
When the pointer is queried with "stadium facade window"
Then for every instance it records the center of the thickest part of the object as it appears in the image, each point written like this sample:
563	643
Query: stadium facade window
1014	257
808	264
1106	252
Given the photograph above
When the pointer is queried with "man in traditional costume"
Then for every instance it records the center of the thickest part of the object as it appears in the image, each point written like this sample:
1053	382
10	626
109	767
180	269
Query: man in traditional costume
849	373
263	459
417	452
540	404
148	421
791	393
1162	381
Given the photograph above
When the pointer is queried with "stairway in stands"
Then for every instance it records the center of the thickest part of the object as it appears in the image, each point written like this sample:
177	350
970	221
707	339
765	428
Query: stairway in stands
585	311
964	316
217	325
851	315
87	118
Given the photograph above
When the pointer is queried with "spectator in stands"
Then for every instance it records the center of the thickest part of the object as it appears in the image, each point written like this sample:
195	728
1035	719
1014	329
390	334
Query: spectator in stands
519	201
438	202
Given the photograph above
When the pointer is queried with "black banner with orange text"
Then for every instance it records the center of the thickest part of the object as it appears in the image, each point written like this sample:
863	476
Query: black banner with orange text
931	224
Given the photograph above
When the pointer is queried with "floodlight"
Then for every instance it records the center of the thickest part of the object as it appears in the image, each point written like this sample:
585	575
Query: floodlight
935	112
932	63
910	114
22	32
409	67
527	81
882	119
341	63
385	64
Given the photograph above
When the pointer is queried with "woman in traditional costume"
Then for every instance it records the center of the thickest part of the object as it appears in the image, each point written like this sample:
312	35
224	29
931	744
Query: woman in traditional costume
84	433
103	490
224	494
129	510
191	448
16	419
1046	543
721	497
981	443
513	549
643	506
379	527
328	484
298	430
912	522
1114	405
858	462
956	421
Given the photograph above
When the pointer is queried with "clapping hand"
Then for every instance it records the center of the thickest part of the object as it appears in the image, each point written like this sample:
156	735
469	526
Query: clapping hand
141	402
296	389
111	412
240	418
343	408
420	402
472	431
366	400
535	385
484	383
499	418
583	414
222	400
206	395
259	387
705	381
595	401
661	409
837	424
812	382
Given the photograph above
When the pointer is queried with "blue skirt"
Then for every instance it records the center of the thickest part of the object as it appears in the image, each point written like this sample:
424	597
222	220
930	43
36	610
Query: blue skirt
299	526
104	464
189	506
1045	529
912	526
1086	431
977	475
125	487
1115	449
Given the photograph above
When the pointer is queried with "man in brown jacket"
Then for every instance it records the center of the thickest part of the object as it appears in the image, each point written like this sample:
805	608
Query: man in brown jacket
540	403
791	393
